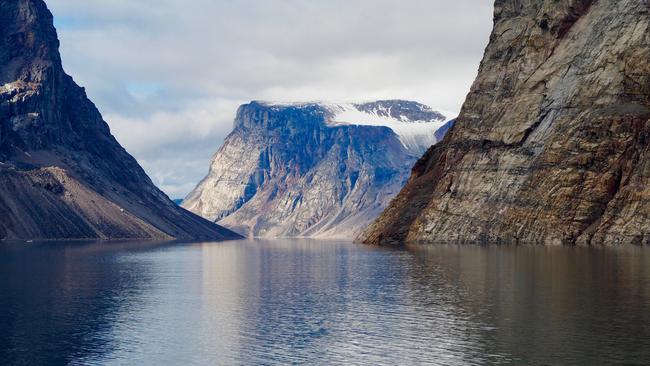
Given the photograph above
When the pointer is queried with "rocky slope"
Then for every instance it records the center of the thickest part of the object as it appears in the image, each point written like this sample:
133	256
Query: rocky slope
62	174
313	169
552	144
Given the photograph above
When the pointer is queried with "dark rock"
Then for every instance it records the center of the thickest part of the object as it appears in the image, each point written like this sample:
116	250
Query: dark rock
62	174
402	110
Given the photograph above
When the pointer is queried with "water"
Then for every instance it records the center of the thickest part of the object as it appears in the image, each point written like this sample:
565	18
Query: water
320	302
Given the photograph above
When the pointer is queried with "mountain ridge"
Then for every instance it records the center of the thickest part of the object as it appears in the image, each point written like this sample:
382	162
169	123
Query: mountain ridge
62	174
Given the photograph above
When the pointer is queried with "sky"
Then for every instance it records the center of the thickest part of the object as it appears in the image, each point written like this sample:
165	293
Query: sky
168	75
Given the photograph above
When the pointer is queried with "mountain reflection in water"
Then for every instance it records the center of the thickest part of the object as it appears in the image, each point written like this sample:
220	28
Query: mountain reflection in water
322	302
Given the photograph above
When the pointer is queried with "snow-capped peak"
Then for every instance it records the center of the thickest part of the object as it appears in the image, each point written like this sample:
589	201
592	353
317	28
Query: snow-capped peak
415	124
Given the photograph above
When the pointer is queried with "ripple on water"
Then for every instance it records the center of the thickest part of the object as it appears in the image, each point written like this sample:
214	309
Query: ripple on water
322	302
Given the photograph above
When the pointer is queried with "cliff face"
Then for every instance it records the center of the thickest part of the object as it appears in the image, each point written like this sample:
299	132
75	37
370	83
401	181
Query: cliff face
552	143
62	174
319	170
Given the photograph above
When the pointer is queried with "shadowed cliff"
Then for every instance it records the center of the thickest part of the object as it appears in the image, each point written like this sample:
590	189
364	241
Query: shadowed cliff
62	174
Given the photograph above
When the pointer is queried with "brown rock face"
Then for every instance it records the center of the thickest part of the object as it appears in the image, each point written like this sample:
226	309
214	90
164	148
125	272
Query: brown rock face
553	143
62	174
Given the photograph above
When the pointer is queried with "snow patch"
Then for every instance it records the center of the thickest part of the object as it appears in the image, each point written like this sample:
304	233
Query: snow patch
416	136
9	87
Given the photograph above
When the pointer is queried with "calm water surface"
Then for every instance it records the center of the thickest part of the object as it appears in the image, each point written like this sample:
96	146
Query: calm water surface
320	302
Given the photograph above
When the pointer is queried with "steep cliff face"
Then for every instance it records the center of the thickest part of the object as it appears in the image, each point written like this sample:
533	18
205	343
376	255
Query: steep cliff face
552	143
62	174
315	169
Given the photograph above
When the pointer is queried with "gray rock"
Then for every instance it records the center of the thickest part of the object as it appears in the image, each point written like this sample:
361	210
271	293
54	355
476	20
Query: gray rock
313	169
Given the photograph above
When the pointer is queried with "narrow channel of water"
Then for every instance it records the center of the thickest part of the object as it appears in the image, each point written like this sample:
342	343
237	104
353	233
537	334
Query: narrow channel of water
322	302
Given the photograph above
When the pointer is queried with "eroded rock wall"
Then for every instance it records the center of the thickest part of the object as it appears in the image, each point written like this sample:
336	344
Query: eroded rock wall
552	143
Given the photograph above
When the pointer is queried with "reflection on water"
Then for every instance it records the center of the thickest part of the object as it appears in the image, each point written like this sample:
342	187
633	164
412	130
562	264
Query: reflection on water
320	302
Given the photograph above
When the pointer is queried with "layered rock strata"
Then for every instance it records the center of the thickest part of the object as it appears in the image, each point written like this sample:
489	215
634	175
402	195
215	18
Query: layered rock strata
552	143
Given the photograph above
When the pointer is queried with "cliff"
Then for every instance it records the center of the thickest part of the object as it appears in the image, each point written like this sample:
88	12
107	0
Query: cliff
552	143
62	174
313	169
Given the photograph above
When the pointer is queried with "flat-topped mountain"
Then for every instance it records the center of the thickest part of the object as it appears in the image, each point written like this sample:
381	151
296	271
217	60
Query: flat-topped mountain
62	174
551	145
313	169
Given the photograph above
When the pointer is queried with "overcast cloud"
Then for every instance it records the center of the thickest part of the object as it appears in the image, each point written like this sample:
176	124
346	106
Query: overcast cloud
168	75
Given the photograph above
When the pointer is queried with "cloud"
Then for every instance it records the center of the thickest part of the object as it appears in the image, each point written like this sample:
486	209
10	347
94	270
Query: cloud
168	75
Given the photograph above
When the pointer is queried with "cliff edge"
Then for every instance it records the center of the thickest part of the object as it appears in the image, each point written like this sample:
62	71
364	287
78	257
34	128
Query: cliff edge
62	174
552	143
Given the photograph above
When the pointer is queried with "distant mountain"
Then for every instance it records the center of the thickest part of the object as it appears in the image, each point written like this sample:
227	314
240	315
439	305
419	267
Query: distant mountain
177	201
313	169
442	131
62	174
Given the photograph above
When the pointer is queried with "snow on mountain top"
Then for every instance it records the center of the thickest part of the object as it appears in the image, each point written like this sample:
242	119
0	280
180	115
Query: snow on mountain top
415	128
271	103
415	124
387	110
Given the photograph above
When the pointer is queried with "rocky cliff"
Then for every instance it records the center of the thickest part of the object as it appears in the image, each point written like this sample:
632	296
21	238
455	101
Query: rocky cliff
313	169
62	174
553	142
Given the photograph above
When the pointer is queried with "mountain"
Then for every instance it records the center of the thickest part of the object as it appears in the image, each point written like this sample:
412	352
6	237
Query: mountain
313	169
62	174
551	145
442	131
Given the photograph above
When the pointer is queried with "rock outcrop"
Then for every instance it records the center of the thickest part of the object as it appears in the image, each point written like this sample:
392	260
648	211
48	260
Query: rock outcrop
62	174
313	169
553	142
